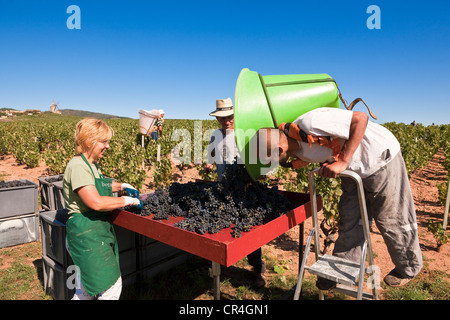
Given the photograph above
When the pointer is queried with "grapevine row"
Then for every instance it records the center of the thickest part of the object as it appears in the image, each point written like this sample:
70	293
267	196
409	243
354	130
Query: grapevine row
49	138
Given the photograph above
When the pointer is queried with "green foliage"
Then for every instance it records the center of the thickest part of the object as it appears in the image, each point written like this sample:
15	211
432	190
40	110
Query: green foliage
278	269
162	173
427	285
442	190
419	143
328	188
50	137
438	232
207	175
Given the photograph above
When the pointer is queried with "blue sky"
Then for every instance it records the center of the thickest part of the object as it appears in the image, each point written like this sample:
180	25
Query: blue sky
181	56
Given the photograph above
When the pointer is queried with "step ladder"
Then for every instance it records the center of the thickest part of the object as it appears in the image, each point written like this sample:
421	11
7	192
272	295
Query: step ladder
346	273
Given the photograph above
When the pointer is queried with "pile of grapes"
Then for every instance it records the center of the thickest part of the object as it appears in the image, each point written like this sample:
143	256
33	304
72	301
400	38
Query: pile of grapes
212	206
54	178
13	184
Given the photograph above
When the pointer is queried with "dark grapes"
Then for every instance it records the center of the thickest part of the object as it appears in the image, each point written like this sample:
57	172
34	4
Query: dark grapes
54	179
212	206
13	184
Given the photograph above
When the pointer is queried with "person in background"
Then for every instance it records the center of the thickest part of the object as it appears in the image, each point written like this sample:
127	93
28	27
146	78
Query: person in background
88	196
223	151
340	140
222	146
157	128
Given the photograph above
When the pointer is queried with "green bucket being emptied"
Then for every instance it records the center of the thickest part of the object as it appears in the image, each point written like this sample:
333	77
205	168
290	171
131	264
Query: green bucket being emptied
268	101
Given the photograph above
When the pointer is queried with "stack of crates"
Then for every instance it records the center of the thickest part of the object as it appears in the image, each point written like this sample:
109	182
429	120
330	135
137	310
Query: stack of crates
58	282
19	211
59	278
55	257
137	253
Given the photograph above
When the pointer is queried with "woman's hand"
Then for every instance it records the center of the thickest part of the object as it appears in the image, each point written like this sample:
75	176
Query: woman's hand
130	201
131	191
124	186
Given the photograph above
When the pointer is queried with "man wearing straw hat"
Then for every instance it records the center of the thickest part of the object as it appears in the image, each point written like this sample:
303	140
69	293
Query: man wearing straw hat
224	142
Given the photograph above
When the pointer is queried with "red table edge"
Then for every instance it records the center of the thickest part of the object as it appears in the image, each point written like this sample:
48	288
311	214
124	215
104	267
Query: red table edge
225	252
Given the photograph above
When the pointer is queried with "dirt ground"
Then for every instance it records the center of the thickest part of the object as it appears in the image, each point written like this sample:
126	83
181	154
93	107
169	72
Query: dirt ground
423	184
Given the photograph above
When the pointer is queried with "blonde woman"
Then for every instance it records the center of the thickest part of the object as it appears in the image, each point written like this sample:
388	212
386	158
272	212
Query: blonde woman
88	196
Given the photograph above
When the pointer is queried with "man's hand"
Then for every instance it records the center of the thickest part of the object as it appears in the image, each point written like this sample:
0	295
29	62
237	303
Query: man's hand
358	127
332	170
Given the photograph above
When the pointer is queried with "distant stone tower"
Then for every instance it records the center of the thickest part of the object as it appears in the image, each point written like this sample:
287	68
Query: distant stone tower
54	107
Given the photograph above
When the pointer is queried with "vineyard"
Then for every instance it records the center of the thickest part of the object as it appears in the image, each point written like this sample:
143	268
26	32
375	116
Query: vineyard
42	145
49	138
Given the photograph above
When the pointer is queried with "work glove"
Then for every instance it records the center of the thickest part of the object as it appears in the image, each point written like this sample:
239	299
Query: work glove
130	201
130	190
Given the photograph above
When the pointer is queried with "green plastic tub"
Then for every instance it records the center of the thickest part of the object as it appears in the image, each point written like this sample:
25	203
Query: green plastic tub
266	101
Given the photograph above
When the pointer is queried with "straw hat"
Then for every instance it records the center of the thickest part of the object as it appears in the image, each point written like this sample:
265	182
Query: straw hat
224	108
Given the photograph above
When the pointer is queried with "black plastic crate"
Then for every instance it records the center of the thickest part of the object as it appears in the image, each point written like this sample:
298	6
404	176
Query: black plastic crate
56	280
53	235
50	189
18	230
18	197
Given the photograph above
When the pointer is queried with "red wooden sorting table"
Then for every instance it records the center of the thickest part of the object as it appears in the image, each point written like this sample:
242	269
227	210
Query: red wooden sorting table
221	248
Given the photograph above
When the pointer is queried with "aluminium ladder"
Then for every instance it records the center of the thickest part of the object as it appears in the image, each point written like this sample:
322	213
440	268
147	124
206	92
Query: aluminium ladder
345	273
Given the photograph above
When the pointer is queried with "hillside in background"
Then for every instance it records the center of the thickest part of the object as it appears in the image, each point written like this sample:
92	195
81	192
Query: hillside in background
81	113
66	112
